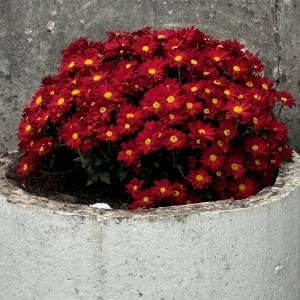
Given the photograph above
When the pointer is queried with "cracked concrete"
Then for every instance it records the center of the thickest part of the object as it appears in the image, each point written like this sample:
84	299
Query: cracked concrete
32	34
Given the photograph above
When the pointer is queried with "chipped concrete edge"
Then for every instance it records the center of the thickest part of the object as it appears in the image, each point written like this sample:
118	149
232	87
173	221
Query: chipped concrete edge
287	180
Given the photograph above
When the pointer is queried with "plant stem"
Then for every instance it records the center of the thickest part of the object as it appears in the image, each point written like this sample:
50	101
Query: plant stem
181	172
279	112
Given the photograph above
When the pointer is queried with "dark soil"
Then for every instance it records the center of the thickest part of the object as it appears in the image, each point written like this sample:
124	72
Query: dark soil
68	186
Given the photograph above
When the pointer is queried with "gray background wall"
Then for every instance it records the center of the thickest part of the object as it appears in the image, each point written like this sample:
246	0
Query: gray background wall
33	32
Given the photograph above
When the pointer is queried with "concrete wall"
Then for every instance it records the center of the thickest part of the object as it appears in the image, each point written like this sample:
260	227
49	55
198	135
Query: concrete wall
211	251
33	32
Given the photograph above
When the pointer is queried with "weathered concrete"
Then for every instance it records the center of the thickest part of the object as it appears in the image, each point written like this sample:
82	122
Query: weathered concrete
33	32
229	250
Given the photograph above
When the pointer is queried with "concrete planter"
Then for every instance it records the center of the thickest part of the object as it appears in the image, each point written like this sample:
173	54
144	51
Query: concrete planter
221	250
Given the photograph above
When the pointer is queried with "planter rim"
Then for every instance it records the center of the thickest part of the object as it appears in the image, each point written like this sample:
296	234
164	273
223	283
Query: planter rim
287	180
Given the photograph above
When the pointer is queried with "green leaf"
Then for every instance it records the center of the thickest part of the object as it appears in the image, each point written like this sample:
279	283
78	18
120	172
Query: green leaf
104	177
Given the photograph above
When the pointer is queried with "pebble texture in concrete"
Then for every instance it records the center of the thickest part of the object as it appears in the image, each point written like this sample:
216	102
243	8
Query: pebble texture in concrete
229	250
33	32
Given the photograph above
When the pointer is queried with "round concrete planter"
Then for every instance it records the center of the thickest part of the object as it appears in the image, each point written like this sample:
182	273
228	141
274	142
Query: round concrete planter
221	250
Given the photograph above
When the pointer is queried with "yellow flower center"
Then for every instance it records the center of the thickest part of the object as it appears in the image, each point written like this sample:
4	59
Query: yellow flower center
249	84
189	105
25	167
254	147
146	199
283	99
145	48
42	149
102	109
28	128
156	105
75	92
236	68
265	86
257	162
217	82
227	132
214	101
52	93
107	95
206	111
148	141
128	66
194	62
213	157
176	193
129	152
88	62
238	109
207	91
162	190
257	97
202	131
71	65
171	99
219	173
39	100
194	89
227	92
75	136
130	116
97	77
205	73
234	167
127	125
178	58
161	36
255	120
171	116
242	187
60	101
109	133
152	71
216	58
173	139
199	177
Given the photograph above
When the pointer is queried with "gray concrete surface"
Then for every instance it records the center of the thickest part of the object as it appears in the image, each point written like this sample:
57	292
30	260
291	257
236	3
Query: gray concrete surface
33	32
226	250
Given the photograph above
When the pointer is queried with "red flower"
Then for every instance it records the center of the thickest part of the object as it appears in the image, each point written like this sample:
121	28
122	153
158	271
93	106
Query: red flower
285	98
199	179
128	155
141	95
201	132
153	69
175	139
135	185
212	159
256	146
72	133
162	189
240	110
235	166
243	188
26	166
150	138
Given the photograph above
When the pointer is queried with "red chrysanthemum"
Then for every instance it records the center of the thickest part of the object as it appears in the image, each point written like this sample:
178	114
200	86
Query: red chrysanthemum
172	116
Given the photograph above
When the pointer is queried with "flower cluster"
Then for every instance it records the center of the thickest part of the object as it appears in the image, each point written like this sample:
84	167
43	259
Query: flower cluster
187	117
